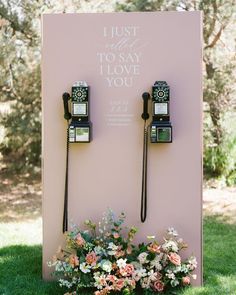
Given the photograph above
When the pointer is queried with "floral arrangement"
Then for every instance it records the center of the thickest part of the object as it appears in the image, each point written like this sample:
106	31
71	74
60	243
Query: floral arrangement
103	258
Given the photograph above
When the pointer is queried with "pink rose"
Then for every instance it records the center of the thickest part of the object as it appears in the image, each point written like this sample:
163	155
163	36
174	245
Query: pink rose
91	258
174	258
119	284
73	260
158	286
111	278
79	240
127	270
186	280
158	276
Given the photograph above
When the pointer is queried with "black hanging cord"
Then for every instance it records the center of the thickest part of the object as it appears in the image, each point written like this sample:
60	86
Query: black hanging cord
145	116
67	116
144	174
65	212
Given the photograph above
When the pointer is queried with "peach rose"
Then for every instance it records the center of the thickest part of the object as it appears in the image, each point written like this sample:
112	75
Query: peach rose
154	248
158	286
174	258
79	240
91	258
116	235
119	253
186	280
129	250
73	260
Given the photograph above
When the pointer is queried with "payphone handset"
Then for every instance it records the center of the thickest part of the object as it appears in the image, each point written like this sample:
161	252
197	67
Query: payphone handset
160	128
80	127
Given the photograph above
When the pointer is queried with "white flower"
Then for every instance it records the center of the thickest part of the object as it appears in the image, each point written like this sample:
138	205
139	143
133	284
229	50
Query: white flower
194	276
121	263
85	268
192	263
65	283
139	273
145	283
113	248
100	281
170	274
177	269
174	283
172	232
106	265
170	246
99	250
156	263
143	257
151	237
152	275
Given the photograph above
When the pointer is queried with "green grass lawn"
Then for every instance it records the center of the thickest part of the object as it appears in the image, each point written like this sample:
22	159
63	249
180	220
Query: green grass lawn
20	265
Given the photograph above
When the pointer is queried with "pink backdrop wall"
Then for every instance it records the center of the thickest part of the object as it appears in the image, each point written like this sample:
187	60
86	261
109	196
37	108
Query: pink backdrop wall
120	56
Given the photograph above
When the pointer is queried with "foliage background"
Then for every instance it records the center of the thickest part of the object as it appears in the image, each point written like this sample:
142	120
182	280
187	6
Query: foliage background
20	87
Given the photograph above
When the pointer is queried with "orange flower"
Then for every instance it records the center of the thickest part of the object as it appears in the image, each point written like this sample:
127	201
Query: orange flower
154	248
73	260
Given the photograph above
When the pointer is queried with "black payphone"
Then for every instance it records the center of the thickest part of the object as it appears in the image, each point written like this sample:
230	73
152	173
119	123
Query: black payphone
160	129
79	128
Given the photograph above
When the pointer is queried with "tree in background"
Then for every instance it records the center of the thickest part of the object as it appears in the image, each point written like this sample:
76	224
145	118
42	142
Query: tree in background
20	73
20	77
20	81
219	76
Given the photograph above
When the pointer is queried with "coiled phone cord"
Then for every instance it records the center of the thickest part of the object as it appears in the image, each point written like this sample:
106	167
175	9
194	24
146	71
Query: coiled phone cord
65	213
145	117
144	174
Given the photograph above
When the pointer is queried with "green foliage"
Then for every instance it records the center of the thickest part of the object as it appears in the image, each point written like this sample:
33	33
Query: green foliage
22	132
220	159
